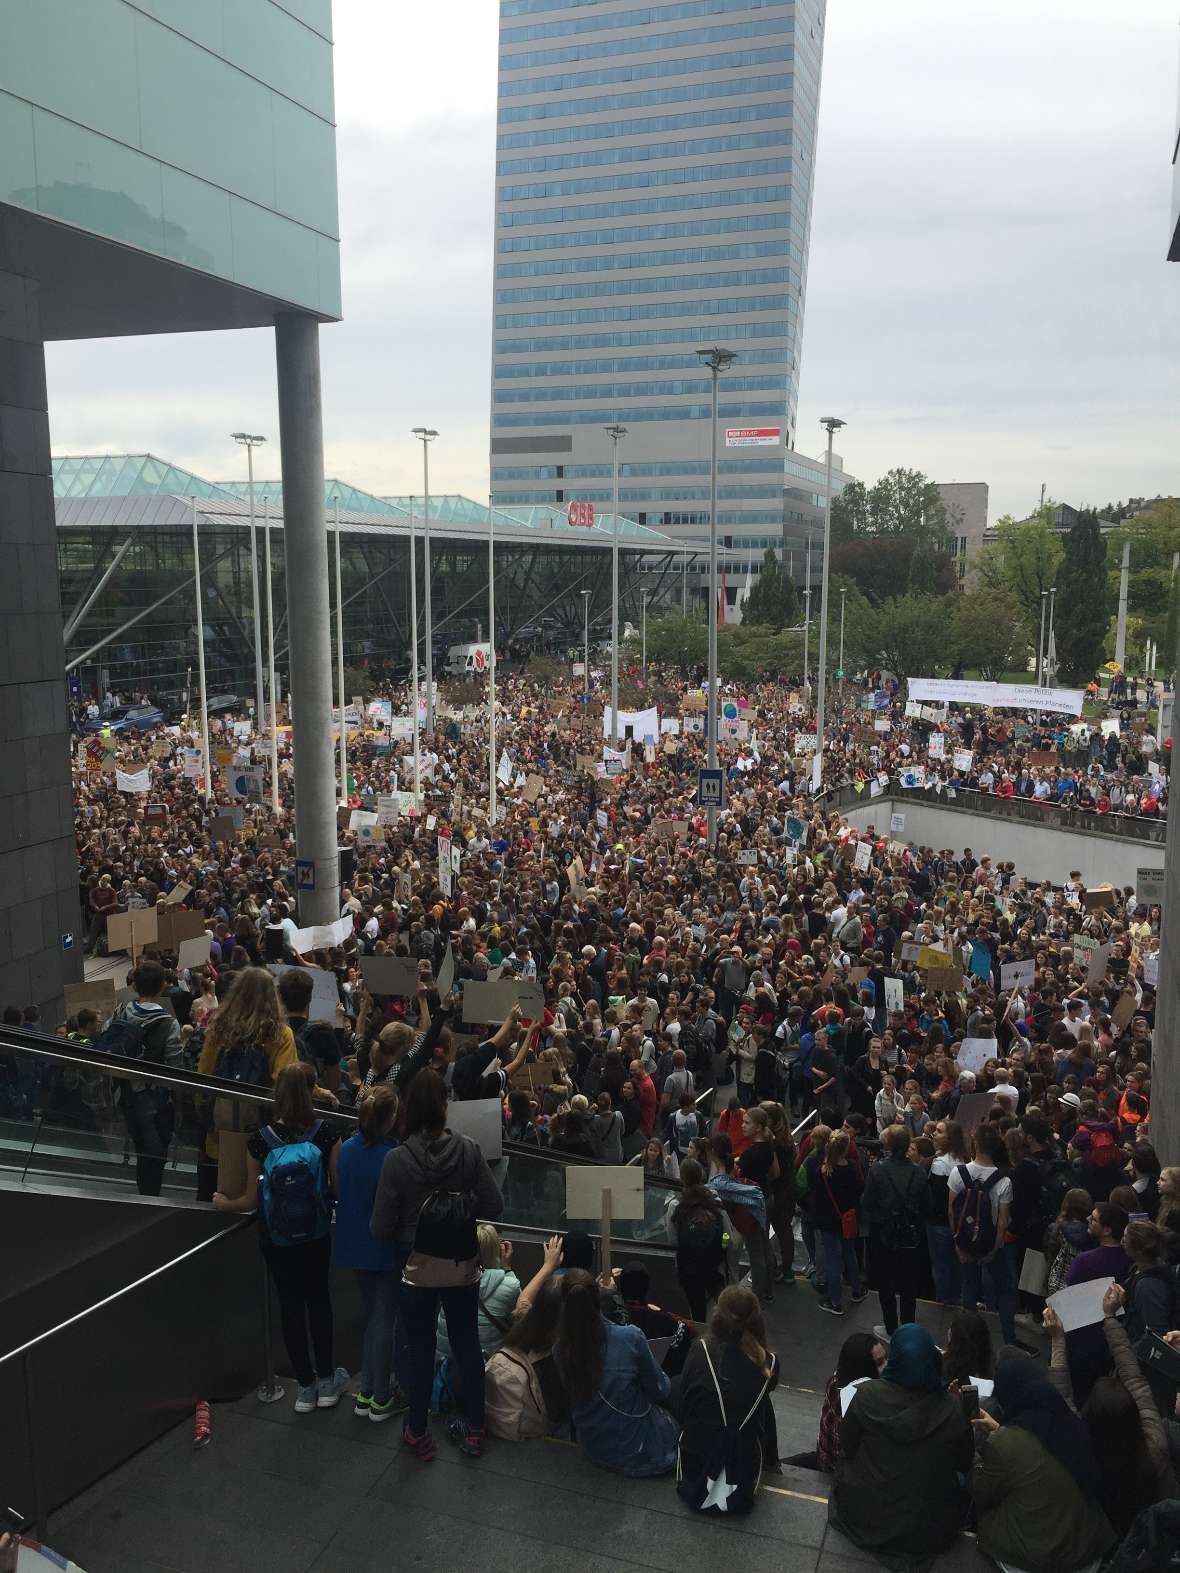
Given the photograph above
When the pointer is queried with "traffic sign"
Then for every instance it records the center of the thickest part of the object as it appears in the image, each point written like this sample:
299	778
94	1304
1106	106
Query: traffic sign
711	788
304	874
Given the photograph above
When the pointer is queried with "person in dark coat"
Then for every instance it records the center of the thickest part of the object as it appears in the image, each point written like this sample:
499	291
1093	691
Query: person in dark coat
905	1446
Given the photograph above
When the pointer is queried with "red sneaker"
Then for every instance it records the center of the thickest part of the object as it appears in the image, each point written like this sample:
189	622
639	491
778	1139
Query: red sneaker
422	1445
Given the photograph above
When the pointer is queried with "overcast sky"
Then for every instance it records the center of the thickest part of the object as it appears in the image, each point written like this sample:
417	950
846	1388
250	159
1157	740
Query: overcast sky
988	297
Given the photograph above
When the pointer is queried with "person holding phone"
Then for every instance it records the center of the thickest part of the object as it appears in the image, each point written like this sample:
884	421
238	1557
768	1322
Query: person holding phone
1036	1483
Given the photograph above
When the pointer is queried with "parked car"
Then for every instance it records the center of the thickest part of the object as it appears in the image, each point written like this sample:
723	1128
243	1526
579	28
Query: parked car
127	718
226	704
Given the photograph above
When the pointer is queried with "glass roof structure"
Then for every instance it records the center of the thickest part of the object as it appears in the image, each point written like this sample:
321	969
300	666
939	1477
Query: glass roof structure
143	475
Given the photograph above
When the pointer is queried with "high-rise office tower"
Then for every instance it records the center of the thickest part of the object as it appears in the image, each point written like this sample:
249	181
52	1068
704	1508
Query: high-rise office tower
654	175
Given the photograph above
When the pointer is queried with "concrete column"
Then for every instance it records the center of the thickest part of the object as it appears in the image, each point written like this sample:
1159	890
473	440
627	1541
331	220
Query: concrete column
1165	1064
41	935
301	436
1120	630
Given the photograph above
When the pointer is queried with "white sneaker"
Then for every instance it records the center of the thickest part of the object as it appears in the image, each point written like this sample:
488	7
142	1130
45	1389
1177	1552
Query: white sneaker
880	1334
329	1388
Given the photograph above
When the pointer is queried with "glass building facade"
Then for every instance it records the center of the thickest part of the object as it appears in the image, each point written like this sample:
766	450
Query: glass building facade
653	197
138	634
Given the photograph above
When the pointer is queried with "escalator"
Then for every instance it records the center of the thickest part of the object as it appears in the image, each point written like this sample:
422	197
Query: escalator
145	1304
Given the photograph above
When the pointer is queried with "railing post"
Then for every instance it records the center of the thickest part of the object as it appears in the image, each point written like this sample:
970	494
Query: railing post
270	1392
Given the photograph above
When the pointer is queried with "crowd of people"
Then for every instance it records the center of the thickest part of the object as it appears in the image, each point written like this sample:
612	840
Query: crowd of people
869	1066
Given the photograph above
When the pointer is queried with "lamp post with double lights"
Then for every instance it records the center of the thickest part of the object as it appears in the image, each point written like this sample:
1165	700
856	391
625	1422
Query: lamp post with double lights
614	433
832	424
717	359
250	441
426	436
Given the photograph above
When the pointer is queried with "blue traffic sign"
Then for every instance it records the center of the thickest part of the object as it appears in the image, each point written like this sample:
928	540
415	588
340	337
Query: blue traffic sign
711	788
304	874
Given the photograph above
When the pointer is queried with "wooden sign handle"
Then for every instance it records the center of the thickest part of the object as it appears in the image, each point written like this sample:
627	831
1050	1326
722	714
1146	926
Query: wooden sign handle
606	1220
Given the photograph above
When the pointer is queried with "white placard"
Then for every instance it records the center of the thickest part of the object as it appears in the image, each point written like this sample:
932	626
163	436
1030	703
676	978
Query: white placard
962	760
894	995
882	725
974	1053
997	696
1151	970
864	856
482	1119
937	745
896	824
1017	975
585	1183
1080	1305
194	952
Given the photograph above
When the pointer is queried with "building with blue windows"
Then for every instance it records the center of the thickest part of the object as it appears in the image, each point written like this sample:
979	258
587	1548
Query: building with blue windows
654	176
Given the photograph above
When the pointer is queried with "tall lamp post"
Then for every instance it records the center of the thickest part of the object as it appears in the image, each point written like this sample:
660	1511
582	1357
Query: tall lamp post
426	436
832	423
643	658
270	667
1041	642
585	641
614	433
250	441
340	659
1051	664
843	594
717	360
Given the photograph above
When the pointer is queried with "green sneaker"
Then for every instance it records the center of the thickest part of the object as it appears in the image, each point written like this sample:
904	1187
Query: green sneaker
396	1404
362	1405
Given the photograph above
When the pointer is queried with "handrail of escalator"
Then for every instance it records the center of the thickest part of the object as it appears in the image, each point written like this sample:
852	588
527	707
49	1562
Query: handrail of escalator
67	1051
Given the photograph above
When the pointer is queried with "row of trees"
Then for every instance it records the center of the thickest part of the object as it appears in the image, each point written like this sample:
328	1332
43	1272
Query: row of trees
903	610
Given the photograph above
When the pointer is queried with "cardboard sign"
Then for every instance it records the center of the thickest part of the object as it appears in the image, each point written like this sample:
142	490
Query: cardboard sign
670	829
1124	1009
175	925
1101	897
487	1002
944	980
747	856
131	931
482	1119
974	1108
974	1053
533	788
446	973
194	952
533	1077
932	956
586	1182
390	976
178	894
1149	886
98	995
325	995
223	828
1017	975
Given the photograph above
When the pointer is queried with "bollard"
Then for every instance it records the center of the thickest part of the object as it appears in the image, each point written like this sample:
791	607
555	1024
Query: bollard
270	1392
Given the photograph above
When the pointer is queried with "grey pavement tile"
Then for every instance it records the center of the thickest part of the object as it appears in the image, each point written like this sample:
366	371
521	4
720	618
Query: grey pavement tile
668	1533
133	1523
836	1544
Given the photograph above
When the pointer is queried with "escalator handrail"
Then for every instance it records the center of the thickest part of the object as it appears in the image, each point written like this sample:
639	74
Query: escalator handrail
67	1051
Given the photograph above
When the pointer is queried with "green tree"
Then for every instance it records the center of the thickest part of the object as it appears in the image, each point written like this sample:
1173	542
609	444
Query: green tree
746	653
1079	625
1154	537
772	602
675	641
850	513
905	502
1023	560
911	634
989	632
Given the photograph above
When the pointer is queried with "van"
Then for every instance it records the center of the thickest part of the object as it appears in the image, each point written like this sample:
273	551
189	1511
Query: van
468	660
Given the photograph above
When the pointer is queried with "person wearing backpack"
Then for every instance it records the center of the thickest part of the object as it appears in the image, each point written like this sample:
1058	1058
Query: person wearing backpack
290	1180
247	1041
432	1190
701	1233
728	1432
523	1393
979	1205
894	1206
144	1030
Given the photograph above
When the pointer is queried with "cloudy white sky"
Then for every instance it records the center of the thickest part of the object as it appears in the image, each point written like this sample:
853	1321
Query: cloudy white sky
987	298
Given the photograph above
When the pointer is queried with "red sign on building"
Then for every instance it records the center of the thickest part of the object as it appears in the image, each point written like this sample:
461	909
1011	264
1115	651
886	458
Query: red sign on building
581	514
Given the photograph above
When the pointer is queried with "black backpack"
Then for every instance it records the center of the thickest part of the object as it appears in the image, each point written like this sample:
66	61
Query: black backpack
446	1226
971	1210
731	1470
902	1224
700	1246
125	1034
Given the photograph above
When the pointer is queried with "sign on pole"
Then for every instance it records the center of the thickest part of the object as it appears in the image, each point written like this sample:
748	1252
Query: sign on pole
711	788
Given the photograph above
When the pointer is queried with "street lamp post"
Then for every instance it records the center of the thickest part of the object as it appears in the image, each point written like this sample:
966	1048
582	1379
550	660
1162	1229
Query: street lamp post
270	667
1041	642
832	424
644	639
206	760
614	433
340	661
843	594
426	436
414	664
585	641
717	360
806	644
250	441
1050	664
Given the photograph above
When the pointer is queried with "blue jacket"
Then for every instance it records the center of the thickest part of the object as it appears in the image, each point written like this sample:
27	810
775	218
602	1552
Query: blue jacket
358	1168
624	1427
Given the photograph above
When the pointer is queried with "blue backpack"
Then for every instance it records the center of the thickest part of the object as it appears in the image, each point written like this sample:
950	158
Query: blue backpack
247	1063
293	1189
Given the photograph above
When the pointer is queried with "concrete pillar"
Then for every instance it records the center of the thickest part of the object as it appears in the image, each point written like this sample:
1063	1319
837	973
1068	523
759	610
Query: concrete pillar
301	435
1120	631
1165	1064
41	934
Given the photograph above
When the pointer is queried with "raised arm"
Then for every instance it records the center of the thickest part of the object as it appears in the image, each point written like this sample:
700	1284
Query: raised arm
1130	1374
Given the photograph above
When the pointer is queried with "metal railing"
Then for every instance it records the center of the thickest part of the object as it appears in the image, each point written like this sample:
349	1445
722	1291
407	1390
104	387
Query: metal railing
1122	827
